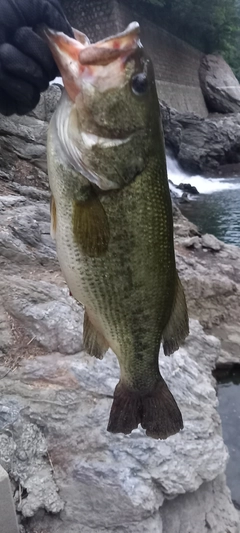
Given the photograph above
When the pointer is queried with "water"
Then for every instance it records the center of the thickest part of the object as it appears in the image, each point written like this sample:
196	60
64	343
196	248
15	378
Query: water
216	209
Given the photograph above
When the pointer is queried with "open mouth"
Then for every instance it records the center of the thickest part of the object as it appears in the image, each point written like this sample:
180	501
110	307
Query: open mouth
78	60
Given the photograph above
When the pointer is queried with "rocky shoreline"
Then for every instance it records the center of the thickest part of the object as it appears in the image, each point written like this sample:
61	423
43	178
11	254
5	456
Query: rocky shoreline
210	145
210	271
67	472
202	145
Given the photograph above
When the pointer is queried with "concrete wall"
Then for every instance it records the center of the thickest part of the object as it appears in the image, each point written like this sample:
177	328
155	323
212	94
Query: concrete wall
96	18
176	63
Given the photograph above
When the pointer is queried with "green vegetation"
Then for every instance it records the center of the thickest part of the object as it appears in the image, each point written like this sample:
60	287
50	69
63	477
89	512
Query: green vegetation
210	25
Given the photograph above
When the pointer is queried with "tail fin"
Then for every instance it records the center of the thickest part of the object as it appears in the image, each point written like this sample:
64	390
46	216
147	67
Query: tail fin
156	411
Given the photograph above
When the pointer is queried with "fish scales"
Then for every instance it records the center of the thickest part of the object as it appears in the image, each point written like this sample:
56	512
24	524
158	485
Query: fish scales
115	249
122	271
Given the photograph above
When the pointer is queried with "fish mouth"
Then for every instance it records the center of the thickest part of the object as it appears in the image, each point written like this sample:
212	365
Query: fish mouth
119	46
77	59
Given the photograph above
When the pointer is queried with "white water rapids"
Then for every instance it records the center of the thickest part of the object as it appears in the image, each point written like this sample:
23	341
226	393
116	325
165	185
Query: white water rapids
204	185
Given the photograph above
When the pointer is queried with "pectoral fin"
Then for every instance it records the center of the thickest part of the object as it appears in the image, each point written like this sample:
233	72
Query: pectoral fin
90	226
93	342
53	212
177	327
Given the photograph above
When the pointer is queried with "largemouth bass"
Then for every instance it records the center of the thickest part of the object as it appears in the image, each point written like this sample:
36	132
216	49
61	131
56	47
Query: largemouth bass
112	219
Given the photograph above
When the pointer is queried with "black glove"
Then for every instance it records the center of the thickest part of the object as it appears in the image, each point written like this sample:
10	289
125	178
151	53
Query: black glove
26	63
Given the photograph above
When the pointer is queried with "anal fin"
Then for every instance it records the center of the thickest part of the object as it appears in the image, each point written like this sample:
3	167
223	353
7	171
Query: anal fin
90	226
93	342
177	328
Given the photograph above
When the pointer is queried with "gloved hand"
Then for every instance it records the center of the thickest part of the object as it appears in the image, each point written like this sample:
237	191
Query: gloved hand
26	63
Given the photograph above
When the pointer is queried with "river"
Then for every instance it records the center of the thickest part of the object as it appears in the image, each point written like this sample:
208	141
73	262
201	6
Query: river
217	210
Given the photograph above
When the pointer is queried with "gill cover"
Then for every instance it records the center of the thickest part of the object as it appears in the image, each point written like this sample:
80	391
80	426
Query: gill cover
80	62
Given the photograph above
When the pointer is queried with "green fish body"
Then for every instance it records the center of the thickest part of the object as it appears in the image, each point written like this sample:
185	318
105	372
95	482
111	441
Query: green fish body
112	221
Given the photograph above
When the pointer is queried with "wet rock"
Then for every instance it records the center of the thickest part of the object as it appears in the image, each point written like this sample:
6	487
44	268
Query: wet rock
220	87
184	199
187	187
174	190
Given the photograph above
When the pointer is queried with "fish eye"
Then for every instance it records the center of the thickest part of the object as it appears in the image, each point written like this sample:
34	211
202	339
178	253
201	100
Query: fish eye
139	83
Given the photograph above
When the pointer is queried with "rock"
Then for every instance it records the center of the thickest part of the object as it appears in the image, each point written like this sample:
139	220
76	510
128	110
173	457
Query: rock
23	143
5	331
202	145
30	192
211	242
7	507
183	227
184	199
46	312
211	283
227	360
25	232
174	191
192	242
205	241
26	456
48	103
11	201
209	512
187	187
220	87
176	194
66	400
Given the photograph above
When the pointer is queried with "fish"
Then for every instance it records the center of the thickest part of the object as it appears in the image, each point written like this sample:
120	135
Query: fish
111	218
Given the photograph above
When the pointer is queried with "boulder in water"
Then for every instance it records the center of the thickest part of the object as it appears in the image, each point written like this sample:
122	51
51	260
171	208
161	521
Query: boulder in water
184	198
187	187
